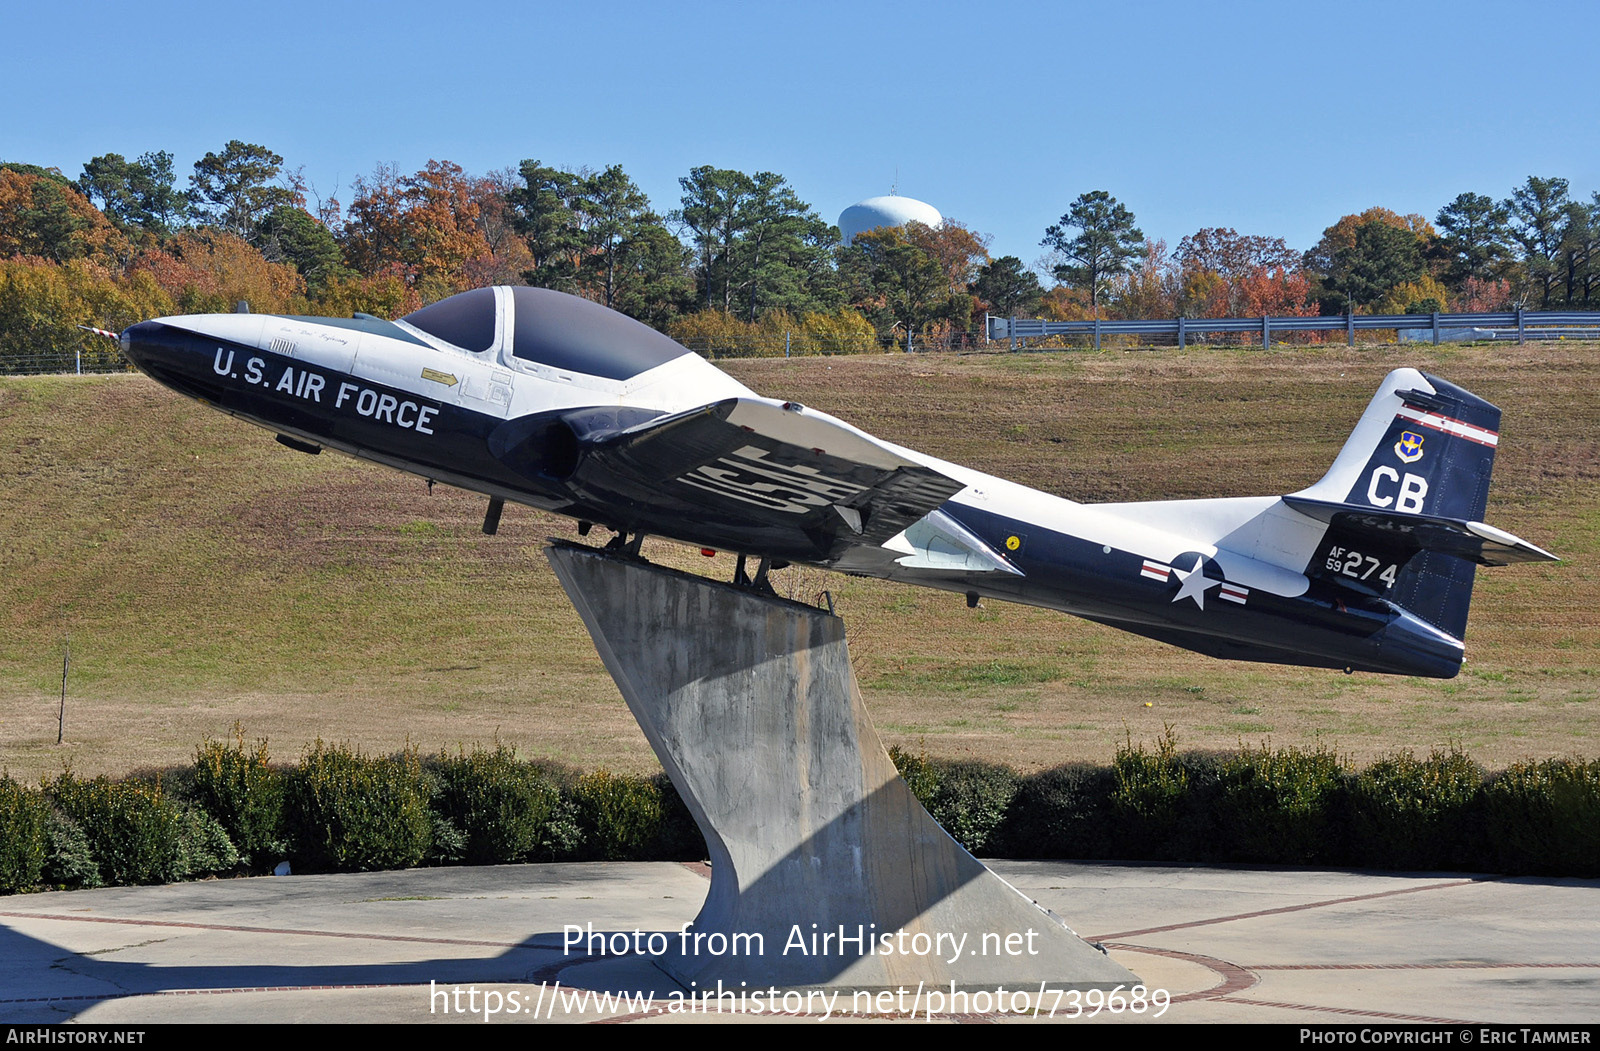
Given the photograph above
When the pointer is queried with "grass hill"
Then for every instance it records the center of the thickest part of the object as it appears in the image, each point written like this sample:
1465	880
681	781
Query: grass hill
207	576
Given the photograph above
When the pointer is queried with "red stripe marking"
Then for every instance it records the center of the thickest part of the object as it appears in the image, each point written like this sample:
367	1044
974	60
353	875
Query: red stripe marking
1449	425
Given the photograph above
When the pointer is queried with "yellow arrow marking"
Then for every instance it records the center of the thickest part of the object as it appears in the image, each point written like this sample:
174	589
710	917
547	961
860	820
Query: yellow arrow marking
439	377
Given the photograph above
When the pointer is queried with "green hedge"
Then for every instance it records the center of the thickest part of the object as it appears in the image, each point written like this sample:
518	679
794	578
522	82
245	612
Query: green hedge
339	810
344	811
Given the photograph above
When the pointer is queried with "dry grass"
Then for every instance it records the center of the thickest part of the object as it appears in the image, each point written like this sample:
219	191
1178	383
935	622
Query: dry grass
206	575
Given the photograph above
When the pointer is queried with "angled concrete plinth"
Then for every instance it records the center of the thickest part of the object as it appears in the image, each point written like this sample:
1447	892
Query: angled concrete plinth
752	707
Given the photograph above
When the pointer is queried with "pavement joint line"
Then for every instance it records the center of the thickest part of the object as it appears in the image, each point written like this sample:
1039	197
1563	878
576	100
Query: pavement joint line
214	992
1290	908
1466	965
190	925
1235	979
1390	1016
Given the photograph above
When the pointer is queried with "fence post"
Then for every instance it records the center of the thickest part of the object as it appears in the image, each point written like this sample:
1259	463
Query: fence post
1436	328
1350	323
785	342
1520	337
1096	333
1266	331
1013	331
1180	333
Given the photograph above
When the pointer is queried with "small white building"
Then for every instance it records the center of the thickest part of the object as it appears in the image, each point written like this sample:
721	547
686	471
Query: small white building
885	211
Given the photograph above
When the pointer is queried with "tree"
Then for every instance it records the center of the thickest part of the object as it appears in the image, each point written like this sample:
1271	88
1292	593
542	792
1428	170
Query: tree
1322	260
233	190
1475	238
712	200
544	216
1538	210
1381	258
429	223
896	284
781	248
1226	252
757	245
138	196
1580	251
1224	273
208	271
1007	287
1106	243
290	234
498	225
43	214
653	281
1330	259
611	212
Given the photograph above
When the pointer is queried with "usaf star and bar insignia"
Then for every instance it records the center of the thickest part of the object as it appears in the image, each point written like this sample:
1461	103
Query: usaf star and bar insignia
1193	582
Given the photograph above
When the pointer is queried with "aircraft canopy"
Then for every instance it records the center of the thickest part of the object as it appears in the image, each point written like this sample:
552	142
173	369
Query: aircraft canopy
550	328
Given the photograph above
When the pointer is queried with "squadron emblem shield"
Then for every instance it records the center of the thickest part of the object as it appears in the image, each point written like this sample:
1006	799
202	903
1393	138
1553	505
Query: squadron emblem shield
1409	447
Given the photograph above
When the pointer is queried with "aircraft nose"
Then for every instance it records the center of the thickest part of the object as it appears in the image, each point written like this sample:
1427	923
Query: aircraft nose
137	341
171	355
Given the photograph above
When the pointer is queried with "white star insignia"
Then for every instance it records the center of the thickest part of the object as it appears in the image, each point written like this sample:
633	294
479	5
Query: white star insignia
1195	582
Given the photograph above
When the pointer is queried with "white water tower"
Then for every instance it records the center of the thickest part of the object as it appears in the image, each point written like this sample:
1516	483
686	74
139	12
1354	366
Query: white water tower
892	210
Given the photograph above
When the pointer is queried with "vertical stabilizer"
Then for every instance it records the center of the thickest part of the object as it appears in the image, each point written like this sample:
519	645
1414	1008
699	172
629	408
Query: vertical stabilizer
1424	447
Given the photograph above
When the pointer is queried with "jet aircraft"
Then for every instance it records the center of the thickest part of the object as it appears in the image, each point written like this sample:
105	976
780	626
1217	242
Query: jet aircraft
548	400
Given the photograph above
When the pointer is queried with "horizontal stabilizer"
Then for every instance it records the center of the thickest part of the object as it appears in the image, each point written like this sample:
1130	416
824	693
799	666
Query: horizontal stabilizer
1474	541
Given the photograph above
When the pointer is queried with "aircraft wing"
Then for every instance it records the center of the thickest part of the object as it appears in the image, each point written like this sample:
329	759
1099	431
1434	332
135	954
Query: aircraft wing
764	477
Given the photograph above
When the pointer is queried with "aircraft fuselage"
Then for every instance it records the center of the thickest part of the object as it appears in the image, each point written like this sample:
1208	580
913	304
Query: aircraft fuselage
655	445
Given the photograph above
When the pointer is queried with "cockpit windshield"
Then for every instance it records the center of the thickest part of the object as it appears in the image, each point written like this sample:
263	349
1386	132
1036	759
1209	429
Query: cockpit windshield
465	320
553	329
565	332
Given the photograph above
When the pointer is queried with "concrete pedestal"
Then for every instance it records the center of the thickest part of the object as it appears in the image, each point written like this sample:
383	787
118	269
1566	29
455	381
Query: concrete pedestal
826	871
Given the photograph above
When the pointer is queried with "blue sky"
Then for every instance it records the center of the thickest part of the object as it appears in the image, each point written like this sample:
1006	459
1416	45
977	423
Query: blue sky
1271	118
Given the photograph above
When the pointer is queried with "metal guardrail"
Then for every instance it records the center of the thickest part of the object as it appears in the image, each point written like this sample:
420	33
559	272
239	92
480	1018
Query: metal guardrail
1526	324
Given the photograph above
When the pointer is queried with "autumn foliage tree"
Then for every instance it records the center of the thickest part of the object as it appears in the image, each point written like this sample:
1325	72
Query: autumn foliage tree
43	214
210	271
1363	257
428	223
1228	274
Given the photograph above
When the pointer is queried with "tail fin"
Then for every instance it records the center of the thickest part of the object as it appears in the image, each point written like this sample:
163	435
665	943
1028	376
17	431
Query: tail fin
1404	500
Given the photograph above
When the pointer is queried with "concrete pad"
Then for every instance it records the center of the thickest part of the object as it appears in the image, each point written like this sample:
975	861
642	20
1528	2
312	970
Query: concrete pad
1226	944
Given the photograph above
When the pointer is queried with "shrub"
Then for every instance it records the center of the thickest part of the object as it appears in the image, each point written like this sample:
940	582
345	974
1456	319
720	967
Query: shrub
618	814
137	833
1060	813
1150	799
501	806
917	773
70	863
970	800
345	811
240	790
679	838
207	850
24	840
1544	817
1279	807
1412	813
